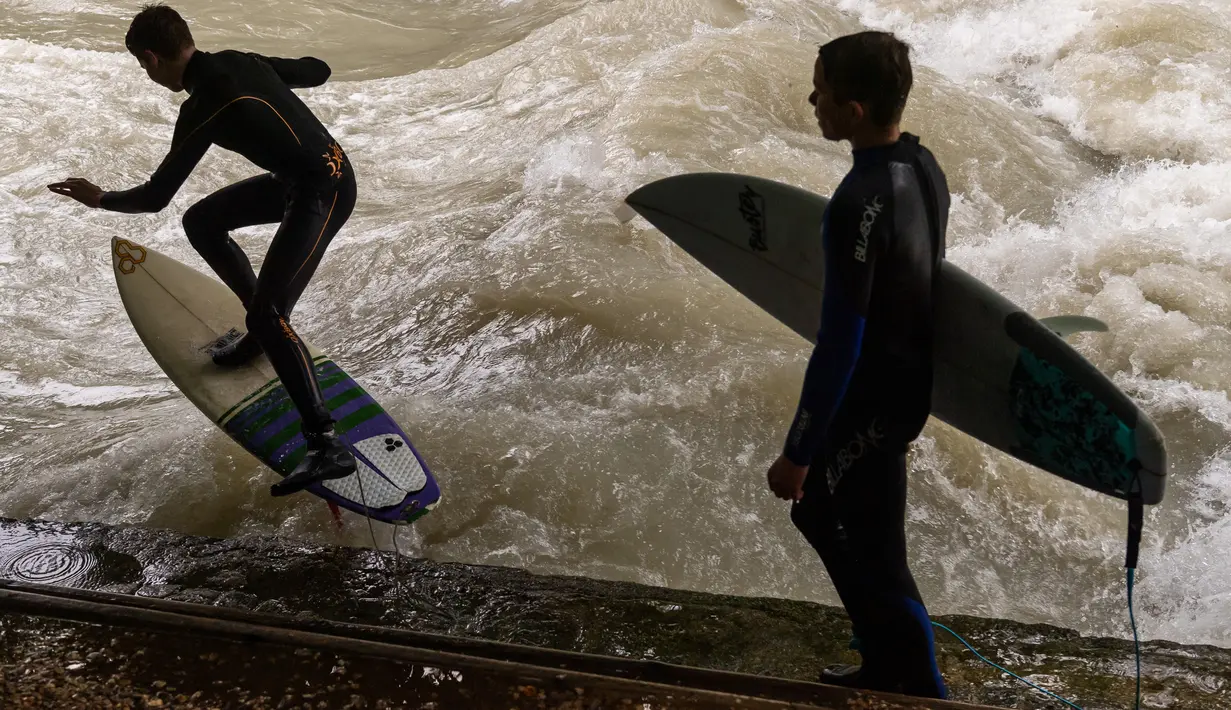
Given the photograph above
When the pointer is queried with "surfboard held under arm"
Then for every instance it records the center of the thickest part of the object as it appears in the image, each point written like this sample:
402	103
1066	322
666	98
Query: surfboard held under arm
1001	376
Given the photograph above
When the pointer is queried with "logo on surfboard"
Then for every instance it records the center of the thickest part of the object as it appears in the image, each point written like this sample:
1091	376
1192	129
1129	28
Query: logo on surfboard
752	209
128	255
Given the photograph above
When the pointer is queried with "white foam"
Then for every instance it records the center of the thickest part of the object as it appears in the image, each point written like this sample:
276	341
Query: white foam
1136	78
70	395
1184	584
62	7
567	159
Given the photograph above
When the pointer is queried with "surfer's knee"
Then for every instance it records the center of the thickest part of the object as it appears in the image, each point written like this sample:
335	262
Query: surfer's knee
198	224
266	319
262	316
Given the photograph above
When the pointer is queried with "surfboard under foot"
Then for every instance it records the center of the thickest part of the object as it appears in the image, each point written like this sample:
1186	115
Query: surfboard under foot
181	315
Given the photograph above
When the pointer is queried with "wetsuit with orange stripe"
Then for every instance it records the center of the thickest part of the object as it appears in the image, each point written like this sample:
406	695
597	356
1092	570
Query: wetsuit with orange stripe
243	102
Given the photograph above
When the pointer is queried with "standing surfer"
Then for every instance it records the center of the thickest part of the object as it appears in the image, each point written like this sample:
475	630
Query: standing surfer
867	391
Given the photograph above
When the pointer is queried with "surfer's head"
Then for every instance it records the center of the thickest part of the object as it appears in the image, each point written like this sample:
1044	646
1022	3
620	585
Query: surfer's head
860	84
161	41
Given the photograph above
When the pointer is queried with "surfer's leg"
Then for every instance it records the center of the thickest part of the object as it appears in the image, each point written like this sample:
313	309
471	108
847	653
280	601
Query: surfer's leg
859	531
816	516
208	224
894	630
313	218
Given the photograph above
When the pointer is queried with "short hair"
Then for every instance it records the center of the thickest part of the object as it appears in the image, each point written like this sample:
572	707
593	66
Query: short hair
872	68
159	29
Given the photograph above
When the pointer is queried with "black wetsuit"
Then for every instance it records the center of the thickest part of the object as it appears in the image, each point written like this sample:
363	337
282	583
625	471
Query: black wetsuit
867	395
243	102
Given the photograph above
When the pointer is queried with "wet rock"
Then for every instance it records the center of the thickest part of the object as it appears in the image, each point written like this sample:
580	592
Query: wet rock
237	600
783	638
159	591
228	579
272	606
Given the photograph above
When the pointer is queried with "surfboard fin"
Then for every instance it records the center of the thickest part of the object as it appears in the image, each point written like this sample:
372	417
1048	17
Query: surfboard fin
624	213
337	514
1065	326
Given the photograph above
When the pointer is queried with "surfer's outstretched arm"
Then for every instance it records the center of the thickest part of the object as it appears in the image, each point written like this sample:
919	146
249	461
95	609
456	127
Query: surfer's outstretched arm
302	73
851	244
187	148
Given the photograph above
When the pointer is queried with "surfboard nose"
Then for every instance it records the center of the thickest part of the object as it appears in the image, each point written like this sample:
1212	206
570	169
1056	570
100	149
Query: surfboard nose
126	255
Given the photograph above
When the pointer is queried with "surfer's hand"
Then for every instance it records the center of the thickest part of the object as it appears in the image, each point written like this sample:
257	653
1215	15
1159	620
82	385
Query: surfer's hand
80	189
786	479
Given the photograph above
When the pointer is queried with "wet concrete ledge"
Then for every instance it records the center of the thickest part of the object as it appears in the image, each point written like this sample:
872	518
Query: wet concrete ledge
646	634
193	645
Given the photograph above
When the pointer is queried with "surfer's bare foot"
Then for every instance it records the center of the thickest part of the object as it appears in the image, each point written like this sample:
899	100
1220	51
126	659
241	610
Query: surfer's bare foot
327	458
238	352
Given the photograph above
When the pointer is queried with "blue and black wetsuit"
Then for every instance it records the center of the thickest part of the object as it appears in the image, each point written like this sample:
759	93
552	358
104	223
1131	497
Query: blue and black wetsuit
867	395
243	102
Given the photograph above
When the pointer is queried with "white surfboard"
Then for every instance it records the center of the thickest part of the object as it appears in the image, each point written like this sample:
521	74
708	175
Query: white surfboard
180	314
1001	375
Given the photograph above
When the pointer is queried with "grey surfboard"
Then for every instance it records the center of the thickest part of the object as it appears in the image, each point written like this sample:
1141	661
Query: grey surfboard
1001	375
